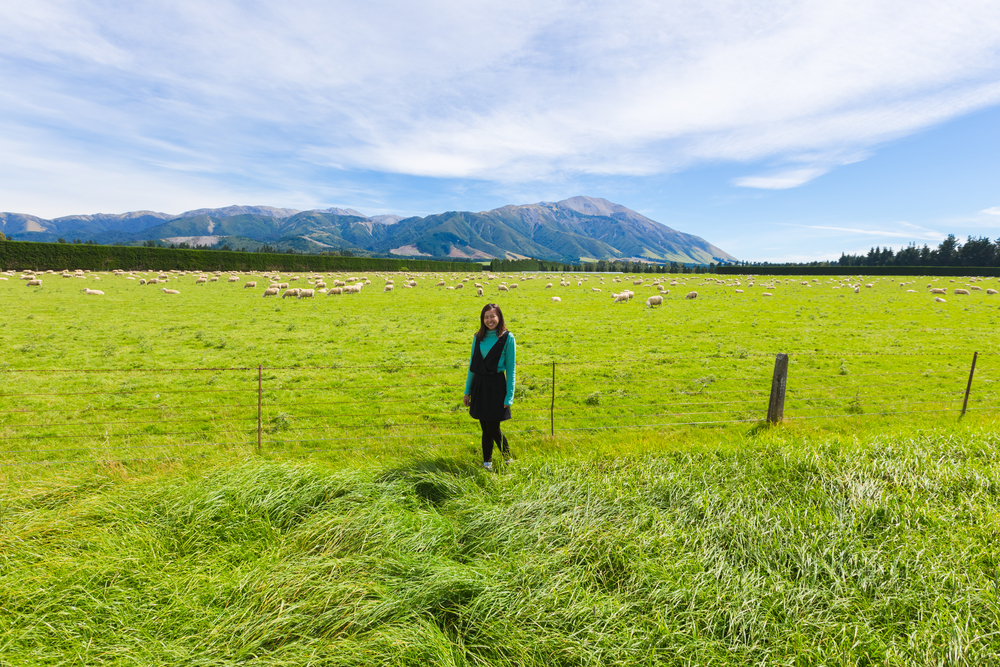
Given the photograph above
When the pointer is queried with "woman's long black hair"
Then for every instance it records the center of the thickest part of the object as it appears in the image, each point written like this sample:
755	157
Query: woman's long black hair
501	327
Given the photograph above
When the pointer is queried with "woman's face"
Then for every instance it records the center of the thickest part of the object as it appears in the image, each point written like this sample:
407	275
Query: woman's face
491	320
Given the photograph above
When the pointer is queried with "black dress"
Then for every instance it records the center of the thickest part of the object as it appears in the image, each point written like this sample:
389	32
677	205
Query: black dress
489	388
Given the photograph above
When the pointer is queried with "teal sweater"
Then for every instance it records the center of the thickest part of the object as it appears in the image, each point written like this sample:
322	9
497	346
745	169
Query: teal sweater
506	363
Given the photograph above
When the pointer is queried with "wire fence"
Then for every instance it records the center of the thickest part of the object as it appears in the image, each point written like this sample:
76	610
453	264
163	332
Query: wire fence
76	416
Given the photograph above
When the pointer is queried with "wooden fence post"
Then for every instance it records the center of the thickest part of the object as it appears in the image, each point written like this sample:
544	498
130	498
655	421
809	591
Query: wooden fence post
259	394
552	408
776	404
968	387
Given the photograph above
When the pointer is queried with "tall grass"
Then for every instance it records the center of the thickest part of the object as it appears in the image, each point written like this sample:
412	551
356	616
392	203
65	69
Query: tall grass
769	548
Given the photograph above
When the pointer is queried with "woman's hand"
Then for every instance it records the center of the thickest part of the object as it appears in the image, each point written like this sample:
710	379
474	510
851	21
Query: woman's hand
467	399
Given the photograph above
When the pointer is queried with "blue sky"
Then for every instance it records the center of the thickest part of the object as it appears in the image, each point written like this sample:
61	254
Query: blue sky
790	131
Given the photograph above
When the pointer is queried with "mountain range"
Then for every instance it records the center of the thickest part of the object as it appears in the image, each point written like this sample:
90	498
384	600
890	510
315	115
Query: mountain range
572	230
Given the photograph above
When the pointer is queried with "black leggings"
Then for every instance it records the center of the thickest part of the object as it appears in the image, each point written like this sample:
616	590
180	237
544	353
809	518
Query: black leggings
491	435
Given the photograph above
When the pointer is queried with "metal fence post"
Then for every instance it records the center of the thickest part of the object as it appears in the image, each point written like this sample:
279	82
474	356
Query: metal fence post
776	404
259	395
552	407
968	387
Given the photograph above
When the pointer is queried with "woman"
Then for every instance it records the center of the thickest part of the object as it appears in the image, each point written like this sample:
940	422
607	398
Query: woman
489	386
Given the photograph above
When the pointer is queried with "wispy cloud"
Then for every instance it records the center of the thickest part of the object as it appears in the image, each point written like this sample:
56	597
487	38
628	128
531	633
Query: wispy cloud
240	94
993	210
917	233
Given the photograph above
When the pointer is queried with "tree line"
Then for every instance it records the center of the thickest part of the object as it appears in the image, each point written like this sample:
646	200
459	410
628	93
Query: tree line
975	251
601	266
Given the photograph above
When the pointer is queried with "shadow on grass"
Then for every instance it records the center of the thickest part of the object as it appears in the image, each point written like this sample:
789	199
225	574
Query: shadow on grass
434	480
760	428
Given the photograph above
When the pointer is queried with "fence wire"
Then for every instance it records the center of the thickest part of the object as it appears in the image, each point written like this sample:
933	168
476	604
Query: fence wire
94	416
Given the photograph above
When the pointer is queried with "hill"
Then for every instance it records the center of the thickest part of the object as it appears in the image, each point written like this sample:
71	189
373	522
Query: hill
572	230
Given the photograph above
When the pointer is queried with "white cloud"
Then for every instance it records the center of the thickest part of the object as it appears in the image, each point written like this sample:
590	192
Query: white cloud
781	181
230	92
993	210
918	233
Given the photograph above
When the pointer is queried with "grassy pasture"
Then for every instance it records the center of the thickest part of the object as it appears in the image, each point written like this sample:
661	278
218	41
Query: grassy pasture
862	531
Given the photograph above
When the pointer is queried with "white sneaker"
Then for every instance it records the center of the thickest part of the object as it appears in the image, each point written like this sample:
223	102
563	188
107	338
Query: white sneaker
488	465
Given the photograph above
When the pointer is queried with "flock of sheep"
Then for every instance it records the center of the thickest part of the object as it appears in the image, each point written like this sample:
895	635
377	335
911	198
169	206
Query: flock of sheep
279	286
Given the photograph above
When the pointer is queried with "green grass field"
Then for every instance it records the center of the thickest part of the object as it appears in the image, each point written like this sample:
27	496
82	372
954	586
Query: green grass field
663	523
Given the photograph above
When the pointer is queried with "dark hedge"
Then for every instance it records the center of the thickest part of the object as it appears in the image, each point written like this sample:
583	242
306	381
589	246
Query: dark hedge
57	256
859	270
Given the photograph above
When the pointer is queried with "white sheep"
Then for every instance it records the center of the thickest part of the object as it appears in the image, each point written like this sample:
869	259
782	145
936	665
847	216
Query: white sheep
621	297
234	279
556	299
169	291
656	300
307	293
960	291
290	292
739	291
767	294
595	289
939	300
459	286
691	295
201	280
335	290
548	286
93	291
991	291
387	288
502	288
479	291
252	283
271	291
33	283
939	290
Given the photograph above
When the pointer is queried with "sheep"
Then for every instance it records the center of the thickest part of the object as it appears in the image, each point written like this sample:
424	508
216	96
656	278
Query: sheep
387	288
271	291
621	297
283	285
556	299
479	292
320	285
636	282
290	292
293	278
234	279
502	288
991	291
335	290
201	280
33	283
252	283
548	286
440	283
939	290
939	300
93	291
739	291
595	289
459	286
767	294
307	293
691	295
213	279
977	288
857	290
162	276
656	300
169	291
512	286
911	291
960	291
